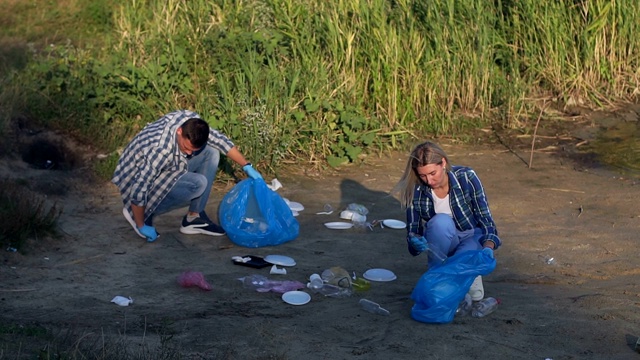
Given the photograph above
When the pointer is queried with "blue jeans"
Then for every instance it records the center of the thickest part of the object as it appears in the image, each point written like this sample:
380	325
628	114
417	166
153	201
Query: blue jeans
194	187
441	234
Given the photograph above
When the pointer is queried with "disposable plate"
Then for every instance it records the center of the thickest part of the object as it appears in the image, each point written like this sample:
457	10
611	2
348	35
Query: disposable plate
379	275
394	224
295	206
339	225
279	260
296	297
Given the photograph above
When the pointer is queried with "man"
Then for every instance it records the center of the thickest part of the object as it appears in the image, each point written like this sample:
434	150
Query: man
172	163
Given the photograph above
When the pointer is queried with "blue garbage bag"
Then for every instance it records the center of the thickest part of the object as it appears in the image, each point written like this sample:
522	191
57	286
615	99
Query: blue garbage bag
440	290
255	216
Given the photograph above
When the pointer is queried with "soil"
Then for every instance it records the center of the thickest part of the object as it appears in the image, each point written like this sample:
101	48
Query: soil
557	203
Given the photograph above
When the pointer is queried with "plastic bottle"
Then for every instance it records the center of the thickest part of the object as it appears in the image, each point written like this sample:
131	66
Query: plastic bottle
484	307
317	285
261	283
464	308
372	307
255	282
315	282
435	256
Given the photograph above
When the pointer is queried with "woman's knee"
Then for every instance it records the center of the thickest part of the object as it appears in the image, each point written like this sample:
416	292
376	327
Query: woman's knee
442	223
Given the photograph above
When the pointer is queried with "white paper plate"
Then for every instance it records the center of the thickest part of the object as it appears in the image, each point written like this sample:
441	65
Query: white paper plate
296	297
379	275
394	224
339	225
279	260
295	206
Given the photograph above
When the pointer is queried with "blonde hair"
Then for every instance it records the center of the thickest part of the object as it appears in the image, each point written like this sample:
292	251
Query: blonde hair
424	154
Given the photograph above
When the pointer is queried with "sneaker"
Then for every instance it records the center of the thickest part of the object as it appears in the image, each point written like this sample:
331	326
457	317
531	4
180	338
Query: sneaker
201	226
477	290
127	216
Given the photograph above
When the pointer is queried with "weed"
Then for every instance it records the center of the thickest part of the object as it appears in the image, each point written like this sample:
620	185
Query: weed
23	215
303	81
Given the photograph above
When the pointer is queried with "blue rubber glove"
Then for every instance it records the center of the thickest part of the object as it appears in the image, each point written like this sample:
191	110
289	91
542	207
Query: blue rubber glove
149	232
488	251
419	244
251	172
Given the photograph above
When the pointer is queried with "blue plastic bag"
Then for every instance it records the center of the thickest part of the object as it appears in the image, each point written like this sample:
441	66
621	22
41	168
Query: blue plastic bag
254	215
440	290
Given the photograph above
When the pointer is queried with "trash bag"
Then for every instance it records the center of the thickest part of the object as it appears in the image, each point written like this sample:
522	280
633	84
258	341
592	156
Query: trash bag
440	290
254	215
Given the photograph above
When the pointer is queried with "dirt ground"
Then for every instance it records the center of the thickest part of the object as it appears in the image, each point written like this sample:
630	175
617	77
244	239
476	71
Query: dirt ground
585	306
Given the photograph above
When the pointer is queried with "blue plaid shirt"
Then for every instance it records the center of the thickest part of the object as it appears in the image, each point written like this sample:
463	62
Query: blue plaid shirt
468	201
152	163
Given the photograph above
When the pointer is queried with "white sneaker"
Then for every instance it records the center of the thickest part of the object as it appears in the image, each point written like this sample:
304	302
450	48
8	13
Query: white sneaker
127	216
476	291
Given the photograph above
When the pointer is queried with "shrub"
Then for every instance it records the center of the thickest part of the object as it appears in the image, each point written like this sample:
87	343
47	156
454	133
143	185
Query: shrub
23	214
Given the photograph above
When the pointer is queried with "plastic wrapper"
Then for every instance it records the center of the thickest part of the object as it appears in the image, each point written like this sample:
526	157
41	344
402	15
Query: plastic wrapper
193	279
337	276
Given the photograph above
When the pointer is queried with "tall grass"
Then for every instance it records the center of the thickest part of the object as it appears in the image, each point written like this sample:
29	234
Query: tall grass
330	80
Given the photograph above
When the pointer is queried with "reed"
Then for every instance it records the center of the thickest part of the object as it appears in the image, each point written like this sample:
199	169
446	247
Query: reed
329	80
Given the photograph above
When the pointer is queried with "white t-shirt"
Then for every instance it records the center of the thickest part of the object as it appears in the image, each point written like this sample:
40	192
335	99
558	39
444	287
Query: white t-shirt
441	206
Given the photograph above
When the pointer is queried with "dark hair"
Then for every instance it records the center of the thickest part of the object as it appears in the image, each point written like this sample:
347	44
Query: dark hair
196	131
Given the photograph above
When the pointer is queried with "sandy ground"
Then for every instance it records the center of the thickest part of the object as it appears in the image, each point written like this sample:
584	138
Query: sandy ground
585	306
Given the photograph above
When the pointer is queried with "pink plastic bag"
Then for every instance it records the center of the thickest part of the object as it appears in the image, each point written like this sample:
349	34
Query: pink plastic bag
193	278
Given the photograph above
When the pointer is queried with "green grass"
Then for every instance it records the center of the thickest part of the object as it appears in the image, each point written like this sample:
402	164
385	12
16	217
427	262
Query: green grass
321	82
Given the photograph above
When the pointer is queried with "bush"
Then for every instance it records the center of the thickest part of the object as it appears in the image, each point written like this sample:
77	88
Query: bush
23	214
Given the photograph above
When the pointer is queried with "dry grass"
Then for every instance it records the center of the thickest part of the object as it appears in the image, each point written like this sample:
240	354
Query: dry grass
23	214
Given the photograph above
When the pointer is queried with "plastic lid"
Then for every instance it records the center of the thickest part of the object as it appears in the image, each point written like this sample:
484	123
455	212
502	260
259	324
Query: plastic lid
314	276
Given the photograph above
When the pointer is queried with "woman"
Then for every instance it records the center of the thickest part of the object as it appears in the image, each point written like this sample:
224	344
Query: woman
447	209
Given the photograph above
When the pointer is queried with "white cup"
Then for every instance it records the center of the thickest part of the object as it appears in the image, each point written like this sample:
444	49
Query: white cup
347	214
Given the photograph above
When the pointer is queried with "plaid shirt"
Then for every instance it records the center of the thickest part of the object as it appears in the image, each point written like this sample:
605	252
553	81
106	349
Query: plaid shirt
152	163
468	204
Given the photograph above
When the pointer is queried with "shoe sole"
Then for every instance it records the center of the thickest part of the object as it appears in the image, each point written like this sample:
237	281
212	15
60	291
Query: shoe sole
131	222
192	231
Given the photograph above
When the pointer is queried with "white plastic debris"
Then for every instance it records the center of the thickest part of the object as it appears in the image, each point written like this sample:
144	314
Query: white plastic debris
275	185
122	301
279	271
241	259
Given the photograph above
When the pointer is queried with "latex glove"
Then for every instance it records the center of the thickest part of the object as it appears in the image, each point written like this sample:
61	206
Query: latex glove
149	232
488	251
419	244
251	172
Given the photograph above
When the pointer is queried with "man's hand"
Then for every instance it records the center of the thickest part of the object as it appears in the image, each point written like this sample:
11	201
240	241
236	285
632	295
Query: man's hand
149	232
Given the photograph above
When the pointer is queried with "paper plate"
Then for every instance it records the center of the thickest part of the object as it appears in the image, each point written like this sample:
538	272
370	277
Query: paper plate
279	260
339	225
394	224
295	206
379	275
296	297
